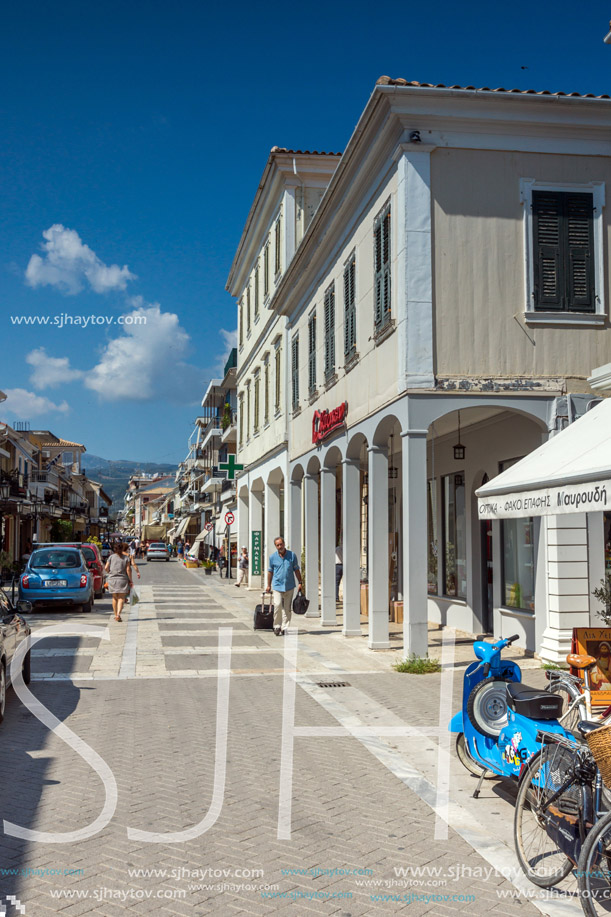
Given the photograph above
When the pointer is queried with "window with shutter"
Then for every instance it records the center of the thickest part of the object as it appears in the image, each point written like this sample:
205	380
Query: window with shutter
349	309
241	418
256	405
247	411
563	257
330	332
248	310
266	270
257	290
278	262
295	370
240	324
266	392
381	266
277	380
312	353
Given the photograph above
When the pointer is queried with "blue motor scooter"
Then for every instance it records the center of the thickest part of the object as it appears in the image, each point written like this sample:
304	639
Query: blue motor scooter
500	718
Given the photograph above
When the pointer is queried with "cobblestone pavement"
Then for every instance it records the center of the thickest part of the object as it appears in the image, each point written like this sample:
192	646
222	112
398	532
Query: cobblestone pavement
367	833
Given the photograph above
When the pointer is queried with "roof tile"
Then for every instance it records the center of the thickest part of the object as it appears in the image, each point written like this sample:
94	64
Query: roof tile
388	81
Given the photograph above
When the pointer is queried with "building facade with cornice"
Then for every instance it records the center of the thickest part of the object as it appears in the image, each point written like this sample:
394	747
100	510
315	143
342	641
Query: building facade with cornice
441	317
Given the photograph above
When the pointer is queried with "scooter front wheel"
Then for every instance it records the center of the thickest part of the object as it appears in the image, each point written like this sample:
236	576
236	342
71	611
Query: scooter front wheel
463	755
487	707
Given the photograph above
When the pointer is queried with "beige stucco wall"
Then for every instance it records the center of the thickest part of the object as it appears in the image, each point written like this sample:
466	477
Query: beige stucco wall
372	383
479	267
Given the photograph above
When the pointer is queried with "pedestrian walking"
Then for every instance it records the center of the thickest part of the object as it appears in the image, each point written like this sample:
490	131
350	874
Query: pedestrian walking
339	569
242	567
179	550
119	581
282	571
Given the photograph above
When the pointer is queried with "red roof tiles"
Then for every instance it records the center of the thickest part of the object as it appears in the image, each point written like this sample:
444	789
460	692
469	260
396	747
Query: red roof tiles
388	81
281	149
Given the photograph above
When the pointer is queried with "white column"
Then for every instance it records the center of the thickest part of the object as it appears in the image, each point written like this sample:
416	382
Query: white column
568	583
294	520
351	546
415	615
272	517
378	548
255	519
311	543
414	274
243	530
327	546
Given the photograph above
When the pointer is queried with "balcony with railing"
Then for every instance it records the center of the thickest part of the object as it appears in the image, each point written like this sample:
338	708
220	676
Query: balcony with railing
17	481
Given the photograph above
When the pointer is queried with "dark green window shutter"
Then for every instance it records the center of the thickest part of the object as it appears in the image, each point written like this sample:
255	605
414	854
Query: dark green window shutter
330	332
580	251
349	308
312	353
295	369
379	279
549	263
563	232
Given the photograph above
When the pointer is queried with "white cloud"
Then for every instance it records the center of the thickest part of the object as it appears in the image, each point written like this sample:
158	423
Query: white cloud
50	371
24	404
147	361
68	263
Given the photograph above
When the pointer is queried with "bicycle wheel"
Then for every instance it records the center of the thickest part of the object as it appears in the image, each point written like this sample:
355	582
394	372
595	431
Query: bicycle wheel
571	712
541	859
594	869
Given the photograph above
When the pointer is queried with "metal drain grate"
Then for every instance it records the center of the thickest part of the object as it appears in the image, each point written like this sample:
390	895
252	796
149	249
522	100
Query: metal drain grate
333	684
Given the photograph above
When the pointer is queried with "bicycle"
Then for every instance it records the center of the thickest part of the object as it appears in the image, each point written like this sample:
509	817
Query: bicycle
576	692
560	798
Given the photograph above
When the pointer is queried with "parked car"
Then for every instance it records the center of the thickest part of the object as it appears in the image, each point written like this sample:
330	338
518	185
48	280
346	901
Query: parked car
93	557
13	631
157	550
57	576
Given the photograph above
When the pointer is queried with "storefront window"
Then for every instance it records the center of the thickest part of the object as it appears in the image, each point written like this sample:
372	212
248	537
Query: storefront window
454	535
433	538
518	563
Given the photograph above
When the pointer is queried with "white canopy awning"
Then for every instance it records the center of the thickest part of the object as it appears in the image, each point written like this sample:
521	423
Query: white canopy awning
570	473
182	526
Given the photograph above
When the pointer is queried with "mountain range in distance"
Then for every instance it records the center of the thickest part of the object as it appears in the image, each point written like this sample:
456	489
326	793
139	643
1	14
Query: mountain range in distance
113	475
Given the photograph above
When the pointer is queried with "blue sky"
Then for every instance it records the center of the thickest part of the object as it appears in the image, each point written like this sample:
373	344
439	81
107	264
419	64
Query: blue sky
133	135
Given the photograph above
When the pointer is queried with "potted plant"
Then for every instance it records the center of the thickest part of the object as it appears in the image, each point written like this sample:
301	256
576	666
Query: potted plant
209	566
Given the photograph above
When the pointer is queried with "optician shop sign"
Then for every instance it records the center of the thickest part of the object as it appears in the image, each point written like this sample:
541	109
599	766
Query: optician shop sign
589	497
325	422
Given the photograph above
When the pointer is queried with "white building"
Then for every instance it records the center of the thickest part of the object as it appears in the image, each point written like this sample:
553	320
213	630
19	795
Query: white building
441	315
289	193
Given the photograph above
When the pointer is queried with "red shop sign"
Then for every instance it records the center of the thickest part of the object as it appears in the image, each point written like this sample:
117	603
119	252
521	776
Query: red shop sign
325	422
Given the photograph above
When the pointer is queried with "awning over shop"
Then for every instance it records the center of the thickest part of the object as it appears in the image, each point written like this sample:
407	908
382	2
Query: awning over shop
571	473
182	527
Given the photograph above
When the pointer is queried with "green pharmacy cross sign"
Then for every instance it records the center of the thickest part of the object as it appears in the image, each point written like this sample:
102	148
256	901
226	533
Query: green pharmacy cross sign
230	466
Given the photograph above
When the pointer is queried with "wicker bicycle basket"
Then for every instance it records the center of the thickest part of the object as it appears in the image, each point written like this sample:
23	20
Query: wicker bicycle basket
600	746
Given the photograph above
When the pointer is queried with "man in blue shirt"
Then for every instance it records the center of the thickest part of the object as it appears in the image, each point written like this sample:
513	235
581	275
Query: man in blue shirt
282	571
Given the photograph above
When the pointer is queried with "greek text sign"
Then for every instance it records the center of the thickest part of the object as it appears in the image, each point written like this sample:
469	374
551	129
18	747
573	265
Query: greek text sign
255	554
589	497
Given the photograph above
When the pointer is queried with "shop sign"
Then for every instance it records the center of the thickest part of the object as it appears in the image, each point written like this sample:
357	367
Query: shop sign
325	422
588	497
255	554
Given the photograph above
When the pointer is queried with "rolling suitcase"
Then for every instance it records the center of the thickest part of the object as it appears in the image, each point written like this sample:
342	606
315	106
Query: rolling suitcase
264	614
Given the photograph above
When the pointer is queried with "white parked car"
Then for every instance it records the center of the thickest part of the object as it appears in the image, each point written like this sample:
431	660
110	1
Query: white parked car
157	551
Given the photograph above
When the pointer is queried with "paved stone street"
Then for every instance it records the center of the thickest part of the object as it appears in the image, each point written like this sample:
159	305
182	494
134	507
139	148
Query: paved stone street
367	833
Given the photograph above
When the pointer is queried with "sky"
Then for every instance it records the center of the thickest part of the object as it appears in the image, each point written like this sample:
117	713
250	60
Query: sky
132	140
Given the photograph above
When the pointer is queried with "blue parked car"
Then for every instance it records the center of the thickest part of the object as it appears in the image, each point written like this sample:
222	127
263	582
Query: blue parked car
57	576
